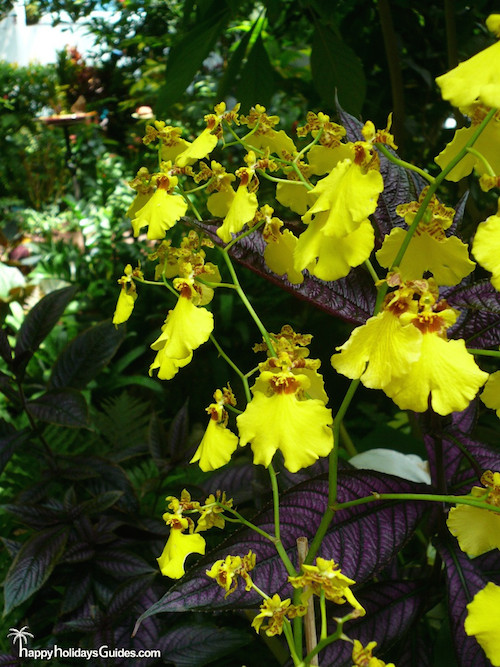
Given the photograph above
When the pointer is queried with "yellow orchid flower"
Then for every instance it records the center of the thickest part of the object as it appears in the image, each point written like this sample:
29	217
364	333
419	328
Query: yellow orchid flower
483	621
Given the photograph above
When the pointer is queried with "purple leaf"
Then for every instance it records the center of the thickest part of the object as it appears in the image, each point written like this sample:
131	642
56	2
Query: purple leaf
121	563
36	516
381	527
351	298
237	481
78	553
479	323
391	609
33	565
178	433
66	407
464	580
9	442
128	592
85	356
75	593
39	322
198	644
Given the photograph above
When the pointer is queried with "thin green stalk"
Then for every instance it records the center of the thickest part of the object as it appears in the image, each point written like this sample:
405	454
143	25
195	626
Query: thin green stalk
277	528
484	353
235	368
332	475
242	235
429	497
323	643
480	156
425	202
402	163
322	606
247	523
372	271
247	303
309	146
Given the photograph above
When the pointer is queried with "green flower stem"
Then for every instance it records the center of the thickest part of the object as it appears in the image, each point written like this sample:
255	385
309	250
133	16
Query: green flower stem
322	606
301	176
323	643
432	497
402	163
372	271
332	475
247	523
275	179
214	285
425	202
197	189
277	529
162	283
288	632
309	146
484	353
235	368
190	203
247	303
242	235
347	442
480	156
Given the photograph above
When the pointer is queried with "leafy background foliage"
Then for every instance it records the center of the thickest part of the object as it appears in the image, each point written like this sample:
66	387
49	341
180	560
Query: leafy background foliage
90	445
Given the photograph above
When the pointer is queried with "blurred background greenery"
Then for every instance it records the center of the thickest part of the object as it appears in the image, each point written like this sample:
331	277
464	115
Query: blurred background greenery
179	57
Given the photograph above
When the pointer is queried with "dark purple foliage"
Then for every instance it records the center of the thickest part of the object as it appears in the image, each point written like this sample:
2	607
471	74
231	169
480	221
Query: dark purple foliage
351	298
479	323
198	644
362	539
464	580
391	609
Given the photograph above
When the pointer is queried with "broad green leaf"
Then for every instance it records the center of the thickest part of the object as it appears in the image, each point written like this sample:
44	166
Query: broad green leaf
33	565
336	68
234	65
186	57
256	85
63	407
86	355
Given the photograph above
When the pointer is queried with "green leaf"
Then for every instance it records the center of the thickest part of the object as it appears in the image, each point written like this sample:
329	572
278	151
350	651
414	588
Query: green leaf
234	65
63	407
10	278
256	84
186	57
39	322
335	67
85	356
33	565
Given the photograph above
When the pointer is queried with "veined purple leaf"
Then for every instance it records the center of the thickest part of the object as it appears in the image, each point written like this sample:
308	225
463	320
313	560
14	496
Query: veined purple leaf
39	322
33	565
78	553
351	298
85	356
236	480
464	580
198	644
479	323
36	516
391	609
9	442
75	593
178	433
362	539
118	562
64	407
127	593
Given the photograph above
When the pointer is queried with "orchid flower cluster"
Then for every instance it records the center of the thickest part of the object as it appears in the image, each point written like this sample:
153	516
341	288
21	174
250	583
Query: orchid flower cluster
406	348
